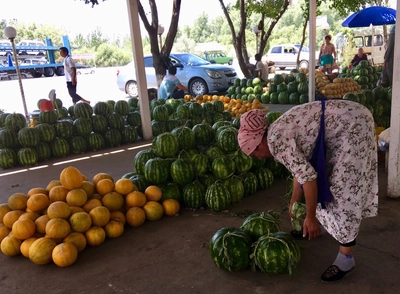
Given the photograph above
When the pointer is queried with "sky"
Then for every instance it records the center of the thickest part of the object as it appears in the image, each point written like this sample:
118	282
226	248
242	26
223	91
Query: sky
111	15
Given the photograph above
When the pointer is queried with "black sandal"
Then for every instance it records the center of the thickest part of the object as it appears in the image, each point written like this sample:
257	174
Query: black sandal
334	274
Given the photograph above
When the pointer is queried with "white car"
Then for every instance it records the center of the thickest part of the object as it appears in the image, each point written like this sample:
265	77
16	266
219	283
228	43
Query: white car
84	69
28	51
285	55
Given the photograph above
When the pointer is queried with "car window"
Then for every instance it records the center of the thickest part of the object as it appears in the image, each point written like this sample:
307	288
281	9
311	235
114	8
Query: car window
378	40
22	44
189	59
148	62
368	41
277	49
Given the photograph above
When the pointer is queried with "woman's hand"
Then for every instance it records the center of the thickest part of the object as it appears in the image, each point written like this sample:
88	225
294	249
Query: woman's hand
311	227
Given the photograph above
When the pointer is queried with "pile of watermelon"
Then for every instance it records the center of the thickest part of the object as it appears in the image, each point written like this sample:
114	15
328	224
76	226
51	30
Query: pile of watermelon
200	163
287	89
62	131
364	74
258	243
246	89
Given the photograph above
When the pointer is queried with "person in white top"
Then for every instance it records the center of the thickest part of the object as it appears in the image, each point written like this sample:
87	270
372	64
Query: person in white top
261	68
70	75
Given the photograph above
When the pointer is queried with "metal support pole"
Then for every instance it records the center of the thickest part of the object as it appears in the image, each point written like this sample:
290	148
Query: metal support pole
21	88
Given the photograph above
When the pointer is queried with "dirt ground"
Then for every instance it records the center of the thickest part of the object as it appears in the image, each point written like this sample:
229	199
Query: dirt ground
172	256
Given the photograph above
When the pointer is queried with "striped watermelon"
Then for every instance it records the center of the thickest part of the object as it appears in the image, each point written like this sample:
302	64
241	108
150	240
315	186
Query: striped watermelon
194	195
183	112
208	179
134	118
182	171
113	137
140	182
71	111
83	109
223	167
101	108
15	121
78	144
219	124
47	133
222	128
8	158
214	152
156	171
274	166
141	158
43	151
171	191
64	129
227	115
28	137
249	182
27	156
121	107
172	124
3	119
235	187
265	178
227	140
257	163
217	197
218	106
230	249
261	223
99	123
111	104
95	141
195	109
62	112
243	162
60	147
200	164
208	108
83	126
160	113
158	127
216	117
203	134
276	253
165	145
8	139
133	102
115	121
129	135
48	117
185	136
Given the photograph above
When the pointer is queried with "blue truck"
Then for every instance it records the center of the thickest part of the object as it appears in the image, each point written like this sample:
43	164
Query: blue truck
34	65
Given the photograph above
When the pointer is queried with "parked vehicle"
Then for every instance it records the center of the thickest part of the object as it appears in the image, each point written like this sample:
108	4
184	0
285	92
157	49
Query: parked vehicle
84	69
4	51
285	55
30	51
217	57
199	75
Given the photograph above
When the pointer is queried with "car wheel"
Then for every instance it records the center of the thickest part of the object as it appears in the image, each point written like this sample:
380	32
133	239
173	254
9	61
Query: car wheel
78	72
131	88
92	72
282	67
303	63
48	72
198	87
230	62
60	71
36	74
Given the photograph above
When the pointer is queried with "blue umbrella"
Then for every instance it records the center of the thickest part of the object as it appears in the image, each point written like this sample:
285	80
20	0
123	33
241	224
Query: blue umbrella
375	15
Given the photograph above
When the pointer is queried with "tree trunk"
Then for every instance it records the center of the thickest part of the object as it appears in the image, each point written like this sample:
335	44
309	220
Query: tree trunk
303	39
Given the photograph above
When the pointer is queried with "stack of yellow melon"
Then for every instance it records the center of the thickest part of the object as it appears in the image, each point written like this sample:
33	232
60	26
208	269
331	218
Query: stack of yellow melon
57	222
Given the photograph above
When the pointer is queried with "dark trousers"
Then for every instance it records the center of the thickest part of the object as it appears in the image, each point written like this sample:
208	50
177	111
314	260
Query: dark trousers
178	94
72	92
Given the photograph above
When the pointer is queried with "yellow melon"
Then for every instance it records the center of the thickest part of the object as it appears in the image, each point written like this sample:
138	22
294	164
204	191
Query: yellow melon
88	187
71	178
113	201
29	215
90	204
124	186
41	223
75	209
26	244
41	249
95	236
114	229
105	186
171	207
135	199
76	197
64	254
80	222
100	216
58	193
101	176
57	228
4	208
59	209
78	239
10	246
11	217
118	216
37	190
53	183
17	201
4	231
38	202
154	210
23	229
153	193
135	216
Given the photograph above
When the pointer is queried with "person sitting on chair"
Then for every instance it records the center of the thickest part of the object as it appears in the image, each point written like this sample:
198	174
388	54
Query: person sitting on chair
171	87
358	57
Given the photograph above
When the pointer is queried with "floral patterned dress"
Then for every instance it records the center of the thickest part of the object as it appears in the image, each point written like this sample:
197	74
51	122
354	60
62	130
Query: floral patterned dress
352	165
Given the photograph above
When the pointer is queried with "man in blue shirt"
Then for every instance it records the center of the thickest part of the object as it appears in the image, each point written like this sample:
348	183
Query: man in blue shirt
171	87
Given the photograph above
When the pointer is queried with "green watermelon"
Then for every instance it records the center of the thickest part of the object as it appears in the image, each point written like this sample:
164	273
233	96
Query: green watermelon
231	249
8	158
227	140
140	182
217	197
28	137
265	178
113	137
64	129
83	126
235	187
43	151
274	97
261	223
47	133
294	98
200	164
60	147
129	135
95	141
158	127
141	158
160	113
302	88
115	121
249	180
82	109
243	162
301	77
156	171
101	108
194	195
134	119
99	124
223	167
8	139
282	88
203	134
185	137
182	171
78	144
273	116
278	79
27	156
171	191
15	121
165	145
283	98
121	107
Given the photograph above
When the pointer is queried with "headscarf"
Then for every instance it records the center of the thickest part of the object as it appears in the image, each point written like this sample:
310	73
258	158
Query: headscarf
252	128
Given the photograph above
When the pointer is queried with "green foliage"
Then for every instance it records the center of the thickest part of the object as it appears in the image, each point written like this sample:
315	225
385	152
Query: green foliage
107	55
